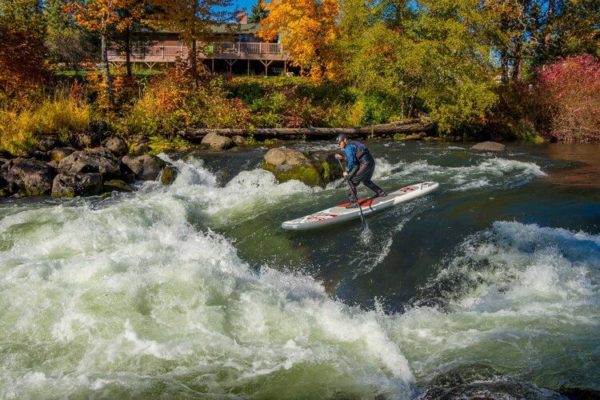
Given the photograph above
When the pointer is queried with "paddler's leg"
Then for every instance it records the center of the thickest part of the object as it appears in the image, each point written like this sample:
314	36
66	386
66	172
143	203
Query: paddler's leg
368	174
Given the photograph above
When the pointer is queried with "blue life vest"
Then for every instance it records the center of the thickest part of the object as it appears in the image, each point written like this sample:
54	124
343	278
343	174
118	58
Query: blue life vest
354	152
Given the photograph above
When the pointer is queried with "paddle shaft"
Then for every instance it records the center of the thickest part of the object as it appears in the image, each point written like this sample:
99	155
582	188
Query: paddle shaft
362	217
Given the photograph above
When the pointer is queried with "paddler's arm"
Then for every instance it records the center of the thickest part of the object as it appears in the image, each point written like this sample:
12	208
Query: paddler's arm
350	156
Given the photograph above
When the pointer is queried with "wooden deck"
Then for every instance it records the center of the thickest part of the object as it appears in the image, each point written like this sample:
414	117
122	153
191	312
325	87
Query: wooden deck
259	51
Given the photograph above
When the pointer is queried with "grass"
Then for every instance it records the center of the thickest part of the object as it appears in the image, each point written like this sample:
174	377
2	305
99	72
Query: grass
20	131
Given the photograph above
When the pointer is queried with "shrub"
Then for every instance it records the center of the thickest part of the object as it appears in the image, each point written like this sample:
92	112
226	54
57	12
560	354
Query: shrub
569	90
62	115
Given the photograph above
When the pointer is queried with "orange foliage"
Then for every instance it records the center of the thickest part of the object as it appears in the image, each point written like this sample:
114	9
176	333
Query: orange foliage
308	29
98	15
22	66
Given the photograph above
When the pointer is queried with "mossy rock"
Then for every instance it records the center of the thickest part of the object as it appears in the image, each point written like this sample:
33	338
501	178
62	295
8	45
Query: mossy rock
307	174
117	185
168	175
413	136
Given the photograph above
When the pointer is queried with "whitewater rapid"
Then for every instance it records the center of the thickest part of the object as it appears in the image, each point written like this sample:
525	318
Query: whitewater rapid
139	296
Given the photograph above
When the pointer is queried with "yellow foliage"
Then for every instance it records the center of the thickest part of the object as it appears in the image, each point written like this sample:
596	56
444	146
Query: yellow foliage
308	29
19	131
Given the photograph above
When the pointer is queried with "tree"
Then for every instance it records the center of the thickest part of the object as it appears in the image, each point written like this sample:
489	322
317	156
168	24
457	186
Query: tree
22	51
452	46
258	12
308	30
66	43
102	16
194	20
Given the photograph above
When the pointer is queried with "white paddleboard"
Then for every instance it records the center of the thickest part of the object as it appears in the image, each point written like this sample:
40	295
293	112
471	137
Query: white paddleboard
342	213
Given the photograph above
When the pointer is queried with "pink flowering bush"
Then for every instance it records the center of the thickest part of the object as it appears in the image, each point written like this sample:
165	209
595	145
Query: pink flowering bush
569	92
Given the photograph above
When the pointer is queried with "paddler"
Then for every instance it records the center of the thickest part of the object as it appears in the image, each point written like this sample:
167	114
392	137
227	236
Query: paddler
360	167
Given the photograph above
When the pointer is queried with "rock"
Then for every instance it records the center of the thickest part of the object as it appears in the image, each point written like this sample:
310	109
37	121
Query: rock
489	146
98	160
47	143
39	155
144	167
85	140
116	145
59	153
239	140
314	170
138	149
329	168
97	131
28	176
117	185
282	156
217	142
77	184
413	136
168	175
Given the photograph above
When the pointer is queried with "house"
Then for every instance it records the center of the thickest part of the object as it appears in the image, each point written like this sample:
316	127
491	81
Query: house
236	49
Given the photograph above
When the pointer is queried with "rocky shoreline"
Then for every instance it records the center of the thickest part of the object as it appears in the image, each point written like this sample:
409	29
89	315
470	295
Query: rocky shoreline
94	163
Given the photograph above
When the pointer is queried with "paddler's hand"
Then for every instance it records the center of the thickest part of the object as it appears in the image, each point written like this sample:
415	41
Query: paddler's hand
345	174
339	156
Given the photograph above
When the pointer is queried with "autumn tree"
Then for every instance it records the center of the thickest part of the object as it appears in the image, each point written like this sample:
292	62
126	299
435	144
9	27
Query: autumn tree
22	51
308	30
194	20
102	16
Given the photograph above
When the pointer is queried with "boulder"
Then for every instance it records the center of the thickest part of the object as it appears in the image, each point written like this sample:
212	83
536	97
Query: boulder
144	167
315	169
98	160
412	136
97	131
489	146
77	184
117	185
217	142
138	145
59	153
39	155
168	175
329	168
238	140
282	157
47	143
27	176
116	145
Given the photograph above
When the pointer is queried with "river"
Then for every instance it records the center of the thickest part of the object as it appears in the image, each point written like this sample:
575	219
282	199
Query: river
489	285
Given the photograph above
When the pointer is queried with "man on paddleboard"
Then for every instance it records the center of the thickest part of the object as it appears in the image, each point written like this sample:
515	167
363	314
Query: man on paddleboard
360	167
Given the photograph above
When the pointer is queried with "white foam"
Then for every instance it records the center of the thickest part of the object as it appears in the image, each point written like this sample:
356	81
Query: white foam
120	293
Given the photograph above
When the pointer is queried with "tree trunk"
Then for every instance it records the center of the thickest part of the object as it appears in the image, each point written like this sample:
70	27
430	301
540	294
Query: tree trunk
417	127
517	60
194	62
504	65
107	79
128	51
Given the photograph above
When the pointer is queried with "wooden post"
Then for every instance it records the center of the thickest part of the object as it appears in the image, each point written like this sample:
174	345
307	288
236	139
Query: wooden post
248	67
266	63
213	65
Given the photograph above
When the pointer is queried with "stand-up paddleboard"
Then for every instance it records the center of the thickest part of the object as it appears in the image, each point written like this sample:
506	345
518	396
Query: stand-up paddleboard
342	213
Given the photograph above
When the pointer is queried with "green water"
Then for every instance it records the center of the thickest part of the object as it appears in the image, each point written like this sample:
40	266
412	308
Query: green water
194	291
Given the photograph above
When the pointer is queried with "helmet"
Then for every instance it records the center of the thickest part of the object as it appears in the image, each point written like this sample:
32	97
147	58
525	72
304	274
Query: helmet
340	137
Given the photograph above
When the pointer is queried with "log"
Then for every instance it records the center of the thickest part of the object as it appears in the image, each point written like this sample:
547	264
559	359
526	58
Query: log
196	135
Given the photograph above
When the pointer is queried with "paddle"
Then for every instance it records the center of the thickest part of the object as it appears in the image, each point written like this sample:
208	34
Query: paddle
362	217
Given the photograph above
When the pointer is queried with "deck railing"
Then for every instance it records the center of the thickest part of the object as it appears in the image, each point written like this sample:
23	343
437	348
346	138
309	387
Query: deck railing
239	50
